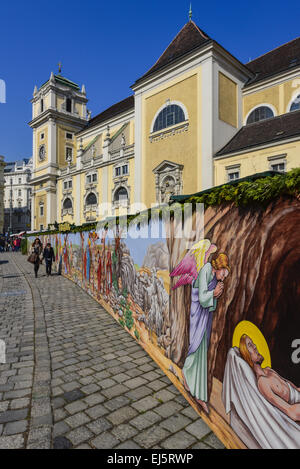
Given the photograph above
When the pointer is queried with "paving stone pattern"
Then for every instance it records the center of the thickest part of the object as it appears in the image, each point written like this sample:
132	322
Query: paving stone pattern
73	378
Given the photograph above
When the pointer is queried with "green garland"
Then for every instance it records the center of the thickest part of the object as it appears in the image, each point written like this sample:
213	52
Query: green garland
258	192
252	193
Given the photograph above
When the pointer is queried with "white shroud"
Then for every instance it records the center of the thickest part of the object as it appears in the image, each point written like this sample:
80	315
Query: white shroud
257	422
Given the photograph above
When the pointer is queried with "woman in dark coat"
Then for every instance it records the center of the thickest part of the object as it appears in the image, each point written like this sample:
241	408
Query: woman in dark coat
37	249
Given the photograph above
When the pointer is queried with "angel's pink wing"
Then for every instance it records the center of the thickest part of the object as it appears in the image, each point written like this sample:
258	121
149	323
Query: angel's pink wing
187	269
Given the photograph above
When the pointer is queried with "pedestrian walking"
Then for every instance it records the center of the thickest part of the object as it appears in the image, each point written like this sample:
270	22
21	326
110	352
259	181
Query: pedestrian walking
36	250
49	257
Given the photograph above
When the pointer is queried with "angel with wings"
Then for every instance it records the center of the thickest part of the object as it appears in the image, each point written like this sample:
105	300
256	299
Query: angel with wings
207	280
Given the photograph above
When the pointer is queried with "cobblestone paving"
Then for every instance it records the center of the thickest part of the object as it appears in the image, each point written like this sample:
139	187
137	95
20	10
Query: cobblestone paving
74	378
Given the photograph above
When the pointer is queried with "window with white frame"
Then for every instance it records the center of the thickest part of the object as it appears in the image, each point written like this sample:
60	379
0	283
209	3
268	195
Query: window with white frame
41	210
277	163
121	196
295	106
68	184
233	173
171	114
259	114
69	135
91	199
125	169
122	170
91	178
67	205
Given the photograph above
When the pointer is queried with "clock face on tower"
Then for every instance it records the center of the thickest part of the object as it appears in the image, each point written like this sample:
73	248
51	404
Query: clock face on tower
42	152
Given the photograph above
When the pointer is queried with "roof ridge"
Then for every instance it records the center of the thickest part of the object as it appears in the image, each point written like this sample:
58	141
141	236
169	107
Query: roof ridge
168	46
203	34
272	50
181	31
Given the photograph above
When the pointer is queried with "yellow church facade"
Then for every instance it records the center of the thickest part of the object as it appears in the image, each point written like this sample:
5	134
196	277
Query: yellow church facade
197	118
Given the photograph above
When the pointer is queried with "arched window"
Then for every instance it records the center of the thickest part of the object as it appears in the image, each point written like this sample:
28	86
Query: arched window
259	114
91	199
295	106
121	194
170	115
67	204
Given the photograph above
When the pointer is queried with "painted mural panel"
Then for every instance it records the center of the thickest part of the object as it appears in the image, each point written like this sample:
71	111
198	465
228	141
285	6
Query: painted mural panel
221	317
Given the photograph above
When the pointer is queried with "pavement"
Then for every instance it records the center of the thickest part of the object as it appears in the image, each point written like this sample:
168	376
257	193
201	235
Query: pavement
74	378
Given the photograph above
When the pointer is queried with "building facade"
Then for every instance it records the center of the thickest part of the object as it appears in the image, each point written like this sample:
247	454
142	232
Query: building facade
2	166
17	196
198	118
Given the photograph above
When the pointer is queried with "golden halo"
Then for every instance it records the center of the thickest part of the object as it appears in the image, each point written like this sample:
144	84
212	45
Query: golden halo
252	331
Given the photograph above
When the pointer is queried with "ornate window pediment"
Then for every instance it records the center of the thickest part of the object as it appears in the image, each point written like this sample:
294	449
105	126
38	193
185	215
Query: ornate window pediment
168	181
67	205
91	204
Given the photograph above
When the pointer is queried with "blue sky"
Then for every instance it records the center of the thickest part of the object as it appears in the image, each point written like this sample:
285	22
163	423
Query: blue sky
108	45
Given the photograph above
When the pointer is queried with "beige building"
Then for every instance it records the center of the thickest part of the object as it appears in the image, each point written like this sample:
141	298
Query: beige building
17	196
2	165
198	118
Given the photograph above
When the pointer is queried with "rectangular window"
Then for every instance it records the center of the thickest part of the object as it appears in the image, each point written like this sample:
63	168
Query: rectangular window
70	184
69	136
233	176
278	167
19	192
65	185
69	153
118	171
41	210
68	105
125	169
89	179
277	163
233	172
94	177
41	227
42	136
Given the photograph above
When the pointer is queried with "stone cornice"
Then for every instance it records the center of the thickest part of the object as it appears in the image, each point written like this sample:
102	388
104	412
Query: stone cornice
57	116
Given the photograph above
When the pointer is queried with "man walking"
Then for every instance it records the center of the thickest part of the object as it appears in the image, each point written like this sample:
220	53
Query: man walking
49	257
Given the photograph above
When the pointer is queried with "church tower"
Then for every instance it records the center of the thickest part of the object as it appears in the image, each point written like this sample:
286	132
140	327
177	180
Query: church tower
58	113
